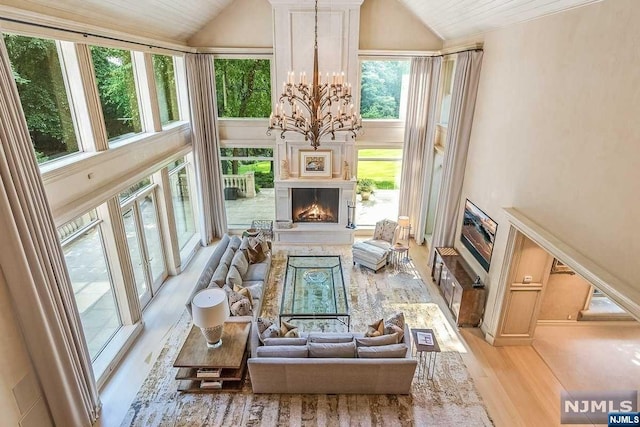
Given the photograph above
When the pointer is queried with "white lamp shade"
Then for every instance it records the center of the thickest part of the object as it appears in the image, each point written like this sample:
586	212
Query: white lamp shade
210	308
403	221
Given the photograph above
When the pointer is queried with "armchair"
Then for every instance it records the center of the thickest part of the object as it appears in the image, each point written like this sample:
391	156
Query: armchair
374	253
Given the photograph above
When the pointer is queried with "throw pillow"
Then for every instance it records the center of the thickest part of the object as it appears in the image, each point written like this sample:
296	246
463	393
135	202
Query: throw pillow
259	240
244	244
240	262
377	341
333	349
266	329
245	292
383	351
233	277
395	324
287	330
219	276
227	257
235	242
375	329
255	254
239	305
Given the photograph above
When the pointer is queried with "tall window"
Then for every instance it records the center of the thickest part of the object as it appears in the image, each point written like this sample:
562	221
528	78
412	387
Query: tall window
383	91
379	170
248	181
182	204
43	95
166	88
117	88
91	280
243	87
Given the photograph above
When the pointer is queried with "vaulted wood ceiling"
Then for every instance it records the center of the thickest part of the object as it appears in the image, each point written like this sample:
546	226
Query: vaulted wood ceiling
178	20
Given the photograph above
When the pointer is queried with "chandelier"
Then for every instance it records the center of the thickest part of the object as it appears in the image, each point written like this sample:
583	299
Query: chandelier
322	108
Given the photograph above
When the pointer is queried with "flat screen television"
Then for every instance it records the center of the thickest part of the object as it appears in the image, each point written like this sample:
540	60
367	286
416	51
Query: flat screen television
478	234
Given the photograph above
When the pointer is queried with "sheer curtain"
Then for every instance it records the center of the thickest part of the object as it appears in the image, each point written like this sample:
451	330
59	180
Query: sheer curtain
463	102
417	158
33	264
206	145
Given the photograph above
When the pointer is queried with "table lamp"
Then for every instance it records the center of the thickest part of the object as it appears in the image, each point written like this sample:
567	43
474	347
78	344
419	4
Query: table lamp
210	309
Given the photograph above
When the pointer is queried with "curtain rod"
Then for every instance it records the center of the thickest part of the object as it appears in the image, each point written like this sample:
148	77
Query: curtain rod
87	34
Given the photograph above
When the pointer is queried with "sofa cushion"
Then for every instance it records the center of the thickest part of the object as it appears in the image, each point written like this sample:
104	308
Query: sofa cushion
395	324
382	244
285	341
282	351
257	271
377	341
330	337
240	262
233	277
235	242
227	257
383	351
375	329
219	277
332	349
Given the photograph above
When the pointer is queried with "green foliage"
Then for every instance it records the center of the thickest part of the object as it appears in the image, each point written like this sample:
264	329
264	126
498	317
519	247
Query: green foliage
116	85
166	88
381	88
36	70
264	180
243	87
366	185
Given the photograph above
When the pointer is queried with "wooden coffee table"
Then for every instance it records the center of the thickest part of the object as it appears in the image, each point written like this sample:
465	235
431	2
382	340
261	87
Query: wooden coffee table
229	360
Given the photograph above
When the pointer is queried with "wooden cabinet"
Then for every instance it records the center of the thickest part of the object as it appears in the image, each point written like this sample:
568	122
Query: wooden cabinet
454	277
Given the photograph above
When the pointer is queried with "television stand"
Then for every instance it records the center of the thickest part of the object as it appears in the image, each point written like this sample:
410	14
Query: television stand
454	278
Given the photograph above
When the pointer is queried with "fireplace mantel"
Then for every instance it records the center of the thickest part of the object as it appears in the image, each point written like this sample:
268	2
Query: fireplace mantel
306	233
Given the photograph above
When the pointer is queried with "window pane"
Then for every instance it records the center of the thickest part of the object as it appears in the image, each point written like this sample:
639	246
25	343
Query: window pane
152	237
166	88
43	95
243	87
134	189
382	167
135	251
117	88
384	89
171	166
92	289
182	207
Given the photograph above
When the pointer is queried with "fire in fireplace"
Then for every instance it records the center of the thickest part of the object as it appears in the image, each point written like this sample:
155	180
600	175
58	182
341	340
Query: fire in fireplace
315	204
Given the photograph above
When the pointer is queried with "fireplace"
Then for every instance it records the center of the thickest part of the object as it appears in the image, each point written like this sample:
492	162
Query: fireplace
316	205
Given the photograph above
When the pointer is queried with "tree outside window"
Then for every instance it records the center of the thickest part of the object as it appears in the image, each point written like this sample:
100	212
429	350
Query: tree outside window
165	77
36	69
243	88
383	89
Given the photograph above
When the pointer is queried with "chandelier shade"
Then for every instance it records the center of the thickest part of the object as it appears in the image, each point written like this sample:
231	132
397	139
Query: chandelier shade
318	109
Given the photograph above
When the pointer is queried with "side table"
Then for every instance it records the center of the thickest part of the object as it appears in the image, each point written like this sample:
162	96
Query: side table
221	369
399	254
426	354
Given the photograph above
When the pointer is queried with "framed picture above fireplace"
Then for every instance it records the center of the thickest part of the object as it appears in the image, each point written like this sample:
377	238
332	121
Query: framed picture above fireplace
315	164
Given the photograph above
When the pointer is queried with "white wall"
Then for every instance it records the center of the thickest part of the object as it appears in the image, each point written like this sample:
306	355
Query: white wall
389	25
556	135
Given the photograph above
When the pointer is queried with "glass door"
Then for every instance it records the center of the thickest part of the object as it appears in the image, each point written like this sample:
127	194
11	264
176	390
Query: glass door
156	265
136	253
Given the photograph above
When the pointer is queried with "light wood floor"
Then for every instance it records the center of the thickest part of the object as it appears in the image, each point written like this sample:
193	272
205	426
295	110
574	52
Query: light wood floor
517	386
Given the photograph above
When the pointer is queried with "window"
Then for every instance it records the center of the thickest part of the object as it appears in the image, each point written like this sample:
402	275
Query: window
383	92
248	180
243	87
91	280
166	88
117	89
381	167
448	67
43	95
182	204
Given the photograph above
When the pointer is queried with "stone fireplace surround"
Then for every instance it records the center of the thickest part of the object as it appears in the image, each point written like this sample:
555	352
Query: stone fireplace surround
309	232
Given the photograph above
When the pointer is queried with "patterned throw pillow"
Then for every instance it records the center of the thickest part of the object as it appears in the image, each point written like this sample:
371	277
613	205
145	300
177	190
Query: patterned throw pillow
287	330
244	292
395	324
375	329
267	329
239	305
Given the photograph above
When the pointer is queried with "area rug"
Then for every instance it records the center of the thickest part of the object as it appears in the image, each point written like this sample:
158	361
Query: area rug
449	399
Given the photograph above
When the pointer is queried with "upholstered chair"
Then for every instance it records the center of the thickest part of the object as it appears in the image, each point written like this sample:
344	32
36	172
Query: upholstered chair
374	253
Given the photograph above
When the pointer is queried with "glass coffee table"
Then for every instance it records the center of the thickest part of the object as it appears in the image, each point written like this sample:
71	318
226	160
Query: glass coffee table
314	289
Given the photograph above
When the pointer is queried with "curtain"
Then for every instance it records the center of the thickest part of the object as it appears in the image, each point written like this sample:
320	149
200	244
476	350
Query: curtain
33	264
417	157
463	102
206	145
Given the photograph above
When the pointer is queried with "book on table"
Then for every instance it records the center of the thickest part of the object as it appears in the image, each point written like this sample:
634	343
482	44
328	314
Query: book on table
208	373
424	338
211	384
